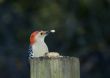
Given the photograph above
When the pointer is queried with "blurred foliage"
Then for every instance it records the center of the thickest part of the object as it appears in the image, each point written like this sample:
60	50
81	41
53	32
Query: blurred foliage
82	30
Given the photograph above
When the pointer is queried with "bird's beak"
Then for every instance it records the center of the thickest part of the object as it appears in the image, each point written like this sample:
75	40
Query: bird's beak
51	31
47	32
44	32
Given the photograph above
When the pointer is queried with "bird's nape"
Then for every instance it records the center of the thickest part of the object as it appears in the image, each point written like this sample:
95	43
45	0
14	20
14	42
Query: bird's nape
32	37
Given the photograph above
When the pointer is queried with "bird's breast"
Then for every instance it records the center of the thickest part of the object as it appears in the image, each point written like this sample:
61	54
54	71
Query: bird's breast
39	49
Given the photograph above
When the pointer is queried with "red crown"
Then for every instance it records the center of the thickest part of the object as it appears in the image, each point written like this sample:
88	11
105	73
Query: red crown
32	37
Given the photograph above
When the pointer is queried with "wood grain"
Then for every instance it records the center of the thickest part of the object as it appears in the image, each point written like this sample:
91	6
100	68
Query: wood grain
62	67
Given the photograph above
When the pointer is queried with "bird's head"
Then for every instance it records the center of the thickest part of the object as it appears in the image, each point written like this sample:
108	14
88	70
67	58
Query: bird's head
37	36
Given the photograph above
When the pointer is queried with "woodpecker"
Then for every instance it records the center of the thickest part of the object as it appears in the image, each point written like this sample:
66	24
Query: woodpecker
38	47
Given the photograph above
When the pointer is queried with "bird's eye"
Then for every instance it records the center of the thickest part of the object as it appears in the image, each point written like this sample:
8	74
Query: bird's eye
41	33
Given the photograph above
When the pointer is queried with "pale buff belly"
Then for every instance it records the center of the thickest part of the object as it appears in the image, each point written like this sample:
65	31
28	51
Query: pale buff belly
39	49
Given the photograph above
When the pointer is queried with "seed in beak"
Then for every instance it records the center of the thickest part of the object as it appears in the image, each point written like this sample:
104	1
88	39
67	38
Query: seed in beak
53	31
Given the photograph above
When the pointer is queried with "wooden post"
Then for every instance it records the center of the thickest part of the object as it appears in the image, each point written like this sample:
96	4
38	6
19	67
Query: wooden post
62	67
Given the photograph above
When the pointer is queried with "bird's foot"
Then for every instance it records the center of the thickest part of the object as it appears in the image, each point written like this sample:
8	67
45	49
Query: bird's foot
52	55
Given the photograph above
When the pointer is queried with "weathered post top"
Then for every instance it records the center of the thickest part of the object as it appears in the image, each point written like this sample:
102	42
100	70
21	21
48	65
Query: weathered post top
62	67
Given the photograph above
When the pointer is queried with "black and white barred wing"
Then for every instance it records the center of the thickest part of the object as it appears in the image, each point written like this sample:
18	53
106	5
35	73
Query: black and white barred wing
30	52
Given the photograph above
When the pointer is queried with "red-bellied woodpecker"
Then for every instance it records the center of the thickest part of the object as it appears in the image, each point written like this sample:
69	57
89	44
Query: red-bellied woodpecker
38	47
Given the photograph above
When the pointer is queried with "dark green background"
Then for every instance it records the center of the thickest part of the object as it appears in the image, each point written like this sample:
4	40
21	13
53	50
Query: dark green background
82	30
